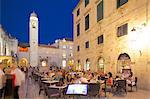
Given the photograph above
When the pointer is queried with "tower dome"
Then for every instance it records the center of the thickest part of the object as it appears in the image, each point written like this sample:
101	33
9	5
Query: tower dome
33	14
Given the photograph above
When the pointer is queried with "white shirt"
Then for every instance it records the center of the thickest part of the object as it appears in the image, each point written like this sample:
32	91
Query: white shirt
1	78
83	80
19	76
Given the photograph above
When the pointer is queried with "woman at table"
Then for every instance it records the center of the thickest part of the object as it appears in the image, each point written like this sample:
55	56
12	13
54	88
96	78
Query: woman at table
108	86
131	79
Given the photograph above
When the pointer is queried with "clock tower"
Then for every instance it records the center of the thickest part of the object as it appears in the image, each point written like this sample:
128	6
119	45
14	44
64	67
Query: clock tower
33	39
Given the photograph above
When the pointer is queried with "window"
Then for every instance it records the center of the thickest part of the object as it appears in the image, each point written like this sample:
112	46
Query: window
122	30
87	44
87	22
78	29
78	12
121	2
100	11
44	63
64	63
78	65
78	48
100	39
71	54
86	2
64	55
64	46
87	64
101	64
70	47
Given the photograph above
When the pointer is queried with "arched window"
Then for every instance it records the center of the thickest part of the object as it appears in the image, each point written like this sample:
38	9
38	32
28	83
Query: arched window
64	63
78	65
124	62
87	64
101	64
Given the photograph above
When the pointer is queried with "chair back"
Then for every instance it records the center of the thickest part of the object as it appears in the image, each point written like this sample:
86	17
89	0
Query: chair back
53	93
93	89
121	83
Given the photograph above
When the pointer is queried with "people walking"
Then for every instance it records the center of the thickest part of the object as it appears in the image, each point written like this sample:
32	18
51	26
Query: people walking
18	79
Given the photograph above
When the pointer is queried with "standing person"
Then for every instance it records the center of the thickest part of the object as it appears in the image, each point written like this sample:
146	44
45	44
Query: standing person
1	80
19	78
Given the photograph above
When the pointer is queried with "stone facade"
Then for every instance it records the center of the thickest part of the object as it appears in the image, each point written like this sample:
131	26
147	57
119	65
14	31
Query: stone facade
8	47
135	44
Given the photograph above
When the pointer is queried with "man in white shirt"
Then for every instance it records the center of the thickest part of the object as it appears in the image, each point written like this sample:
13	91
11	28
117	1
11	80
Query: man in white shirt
19	79
1	80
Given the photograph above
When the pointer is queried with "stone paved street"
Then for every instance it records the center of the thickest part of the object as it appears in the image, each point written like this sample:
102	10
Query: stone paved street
31	92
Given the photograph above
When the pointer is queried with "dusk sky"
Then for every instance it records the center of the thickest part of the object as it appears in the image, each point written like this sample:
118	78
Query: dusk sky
55	18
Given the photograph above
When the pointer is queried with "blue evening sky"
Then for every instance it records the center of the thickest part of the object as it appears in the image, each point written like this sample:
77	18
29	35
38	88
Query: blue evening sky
55	18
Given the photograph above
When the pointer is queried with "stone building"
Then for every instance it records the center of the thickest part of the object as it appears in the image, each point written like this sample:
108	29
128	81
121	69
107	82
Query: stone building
113	35
58	54
8	47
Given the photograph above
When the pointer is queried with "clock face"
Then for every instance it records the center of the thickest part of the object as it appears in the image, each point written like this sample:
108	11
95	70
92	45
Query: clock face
33	23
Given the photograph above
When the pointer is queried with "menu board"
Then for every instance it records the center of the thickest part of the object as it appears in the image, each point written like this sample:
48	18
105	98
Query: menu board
77	89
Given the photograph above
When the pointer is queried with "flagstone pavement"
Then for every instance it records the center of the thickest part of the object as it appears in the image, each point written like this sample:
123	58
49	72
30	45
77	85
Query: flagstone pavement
30	89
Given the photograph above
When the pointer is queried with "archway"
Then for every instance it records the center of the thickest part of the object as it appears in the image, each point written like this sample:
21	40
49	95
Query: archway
23	62
100	64
124	62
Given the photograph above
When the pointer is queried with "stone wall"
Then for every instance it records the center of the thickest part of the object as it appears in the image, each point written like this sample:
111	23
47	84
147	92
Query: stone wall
135	13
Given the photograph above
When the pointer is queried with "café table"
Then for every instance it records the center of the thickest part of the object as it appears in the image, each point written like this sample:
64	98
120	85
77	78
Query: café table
60	88
45	78
50	82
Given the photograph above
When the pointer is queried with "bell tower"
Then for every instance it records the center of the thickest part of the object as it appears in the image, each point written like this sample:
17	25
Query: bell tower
33	39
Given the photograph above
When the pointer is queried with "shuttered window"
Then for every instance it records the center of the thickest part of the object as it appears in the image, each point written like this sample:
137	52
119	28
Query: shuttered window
100	11
100	39
122	30
121	2
86	2
87	21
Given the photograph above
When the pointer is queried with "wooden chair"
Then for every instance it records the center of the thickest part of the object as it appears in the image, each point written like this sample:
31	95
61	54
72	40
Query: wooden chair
53	93
93	89
135	85
120	87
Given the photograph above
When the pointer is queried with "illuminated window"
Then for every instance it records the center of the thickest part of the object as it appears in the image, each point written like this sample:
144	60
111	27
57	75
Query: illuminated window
70	47
79	65
64	63
44	63
101	64
64	46
87	64
64	55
